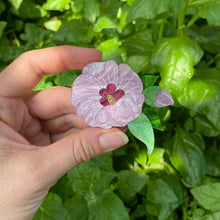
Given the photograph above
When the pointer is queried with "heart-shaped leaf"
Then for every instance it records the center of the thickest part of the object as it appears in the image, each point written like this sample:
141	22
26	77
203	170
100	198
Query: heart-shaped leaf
142	129
155	96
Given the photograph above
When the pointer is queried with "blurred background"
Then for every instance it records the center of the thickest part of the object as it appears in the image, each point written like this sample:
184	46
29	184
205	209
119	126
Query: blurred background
171	43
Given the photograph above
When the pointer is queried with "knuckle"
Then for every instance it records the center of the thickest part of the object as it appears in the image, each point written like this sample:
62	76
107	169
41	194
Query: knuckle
83	150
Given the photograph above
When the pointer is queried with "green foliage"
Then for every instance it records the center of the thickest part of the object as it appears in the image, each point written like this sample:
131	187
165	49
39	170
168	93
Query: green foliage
208	196
174	58
186	155
149	9
174	44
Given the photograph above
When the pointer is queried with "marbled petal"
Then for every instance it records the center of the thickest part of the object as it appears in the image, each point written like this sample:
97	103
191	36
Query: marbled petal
104	72
88	111
85	87
128	80
126	109
163	99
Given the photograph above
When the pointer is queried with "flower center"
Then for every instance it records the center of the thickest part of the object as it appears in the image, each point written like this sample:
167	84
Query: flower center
110	95
110	99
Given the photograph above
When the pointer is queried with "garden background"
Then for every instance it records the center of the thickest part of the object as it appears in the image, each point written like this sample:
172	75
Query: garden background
171	43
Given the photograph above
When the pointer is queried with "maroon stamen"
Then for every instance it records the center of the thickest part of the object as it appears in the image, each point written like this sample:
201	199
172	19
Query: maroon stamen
110	95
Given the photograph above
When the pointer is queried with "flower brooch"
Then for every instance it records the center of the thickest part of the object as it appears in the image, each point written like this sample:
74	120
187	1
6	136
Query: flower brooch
109	95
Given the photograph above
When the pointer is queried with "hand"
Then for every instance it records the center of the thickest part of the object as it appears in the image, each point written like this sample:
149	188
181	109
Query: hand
41	137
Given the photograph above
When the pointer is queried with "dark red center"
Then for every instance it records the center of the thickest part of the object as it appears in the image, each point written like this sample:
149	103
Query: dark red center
110	95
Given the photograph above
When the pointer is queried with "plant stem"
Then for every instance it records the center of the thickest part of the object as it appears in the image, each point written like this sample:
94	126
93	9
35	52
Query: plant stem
193	19
184	213
16	40
181	19
161	29
200	2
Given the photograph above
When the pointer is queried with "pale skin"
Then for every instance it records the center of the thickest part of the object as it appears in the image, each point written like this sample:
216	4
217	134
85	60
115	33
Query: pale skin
41	137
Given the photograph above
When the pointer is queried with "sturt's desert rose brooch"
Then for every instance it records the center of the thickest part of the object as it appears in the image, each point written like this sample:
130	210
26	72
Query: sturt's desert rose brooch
109	95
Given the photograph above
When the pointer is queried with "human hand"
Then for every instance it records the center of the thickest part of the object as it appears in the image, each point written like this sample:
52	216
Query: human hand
41	137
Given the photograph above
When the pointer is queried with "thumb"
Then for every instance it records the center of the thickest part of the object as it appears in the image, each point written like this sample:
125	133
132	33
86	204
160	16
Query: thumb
62	156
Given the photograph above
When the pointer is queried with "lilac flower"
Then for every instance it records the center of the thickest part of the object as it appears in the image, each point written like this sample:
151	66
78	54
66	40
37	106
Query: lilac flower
107	95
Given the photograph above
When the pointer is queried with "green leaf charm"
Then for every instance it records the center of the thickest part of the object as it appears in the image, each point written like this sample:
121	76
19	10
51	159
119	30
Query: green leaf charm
142	129
155	96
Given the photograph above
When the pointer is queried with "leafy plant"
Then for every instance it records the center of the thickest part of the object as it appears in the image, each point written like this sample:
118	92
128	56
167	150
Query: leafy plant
169	43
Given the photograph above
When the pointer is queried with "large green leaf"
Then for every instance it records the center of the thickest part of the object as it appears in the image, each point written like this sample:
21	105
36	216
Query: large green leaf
74	31
210	216
130	183
84	178
108	207
77	208
140	42
16	3
203	126
51	208
57	5
28	9
110	50
91	10
208	196
103	23
211	13
160	211
34	36
209	38
8	52
212	156
174	58
139	63
159	192
110	8
150	8
186	154
202	95
142	129
53	25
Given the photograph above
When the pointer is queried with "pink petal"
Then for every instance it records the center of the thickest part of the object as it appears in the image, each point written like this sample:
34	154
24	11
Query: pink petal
103	93
94	114
163	99
104	102
111	89
85	87
128	80
104	72
104	119
88	110
118	94
128	108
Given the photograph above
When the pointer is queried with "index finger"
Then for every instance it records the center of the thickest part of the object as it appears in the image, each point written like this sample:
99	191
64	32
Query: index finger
22	75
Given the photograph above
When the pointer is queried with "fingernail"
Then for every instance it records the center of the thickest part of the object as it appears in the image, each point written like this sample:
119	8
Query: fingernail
112	141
